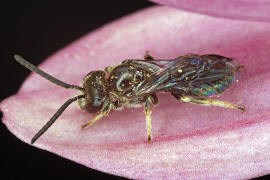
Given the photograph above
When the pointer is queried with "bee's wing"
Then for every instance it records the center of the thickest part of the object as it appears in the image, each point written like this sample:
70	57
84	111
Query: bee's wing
192	74
160	78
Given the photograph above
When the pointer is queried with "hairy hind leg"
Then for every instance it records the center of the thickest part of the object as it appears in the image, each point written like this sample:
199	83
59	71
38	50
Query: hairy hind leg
210	102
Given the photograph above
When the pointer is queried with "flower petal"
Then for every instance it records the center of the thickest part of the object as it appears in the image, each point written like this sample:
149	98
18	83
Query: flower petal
234	9
190	141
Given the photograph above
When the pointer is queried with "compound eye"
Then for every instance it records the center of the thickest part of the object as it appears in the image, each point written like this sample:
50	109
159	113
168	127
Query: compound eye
95	90
95	101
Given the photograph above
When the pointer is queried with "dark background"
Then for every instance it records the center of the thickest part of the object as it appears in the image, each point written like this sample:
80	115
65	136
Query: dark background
36	30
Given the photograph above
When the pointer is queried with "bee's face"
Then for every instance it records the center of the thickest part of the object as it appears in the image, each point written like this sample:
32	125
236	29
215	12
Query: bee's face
95	90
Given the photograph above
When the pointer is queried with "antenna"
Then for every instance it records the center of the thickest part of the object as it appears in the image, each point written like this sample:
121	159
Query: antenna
54	117
35	69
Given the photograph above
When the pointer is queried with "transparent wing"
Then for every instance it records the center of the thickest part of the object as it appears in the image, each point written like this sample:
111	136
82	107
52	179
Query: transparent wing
191	74
161	77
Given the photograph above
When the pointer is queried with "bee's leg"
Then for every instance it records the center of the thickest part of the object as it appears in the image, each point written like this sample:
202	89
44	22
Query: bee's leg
147	56
148	112
210	102
105	111
95	119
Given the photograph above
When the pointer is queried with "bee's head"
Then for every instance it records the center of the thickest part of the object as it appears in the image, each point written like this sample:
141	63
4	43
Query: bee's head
94	85
93	92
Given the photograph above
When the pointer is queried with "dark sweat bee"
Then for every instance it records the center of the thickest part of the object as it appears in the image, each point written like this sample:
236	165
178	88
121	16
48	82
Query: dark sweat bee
190	78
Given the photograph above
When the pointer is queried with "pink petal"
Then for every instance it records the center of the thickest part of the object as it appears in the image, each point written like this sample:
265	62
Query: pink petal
190	141
234	9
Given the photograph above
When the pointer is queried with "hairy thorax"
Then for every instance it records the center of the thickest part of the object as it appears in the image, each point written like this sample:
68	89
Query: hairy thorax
122	81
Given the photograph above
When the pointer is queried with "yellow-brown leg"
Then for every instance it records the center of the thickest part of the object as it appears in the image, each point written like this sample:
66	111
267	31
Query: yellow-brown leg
104	112
211	102
148	112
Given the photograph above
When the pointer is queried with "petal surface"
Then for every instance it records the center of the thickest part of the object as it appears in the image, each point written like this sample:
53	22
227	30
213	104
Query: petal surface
190	141
233	9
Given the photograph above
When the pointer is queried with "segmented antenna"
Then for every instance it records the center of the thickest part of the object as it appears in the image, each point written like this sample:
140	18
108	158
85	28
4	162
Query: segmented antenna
54	117
35	69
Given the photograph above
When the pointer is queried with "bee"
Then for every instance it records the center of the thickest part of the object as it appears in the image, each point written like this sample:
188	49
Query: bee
190	78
